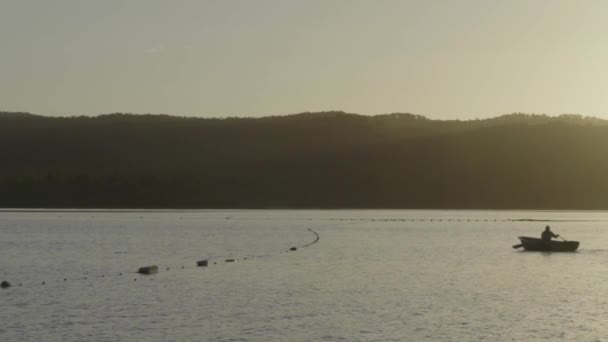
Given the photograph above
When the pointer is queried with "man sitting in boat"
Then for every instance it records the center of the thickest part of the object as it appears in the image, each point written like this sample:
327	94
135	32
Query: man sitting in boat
547	235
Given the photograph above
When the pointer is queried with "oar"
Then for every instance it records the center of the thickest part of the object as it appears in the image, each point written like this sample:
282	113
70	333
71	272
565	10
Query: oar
518	246
562	238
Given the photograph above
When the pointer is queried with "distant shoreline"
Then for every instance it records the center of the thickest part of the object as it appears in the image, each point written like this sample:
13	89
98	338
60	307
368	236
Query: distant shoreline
326	160
151	210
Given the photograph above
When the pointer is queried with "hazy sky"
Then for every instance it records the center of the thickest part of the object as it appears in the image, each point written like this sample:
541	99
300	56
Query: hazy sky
442	59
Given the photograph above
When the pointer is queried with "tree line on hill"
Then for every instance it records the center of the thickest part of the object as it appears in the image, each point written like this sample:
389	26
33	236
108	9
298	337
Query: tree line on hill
307	160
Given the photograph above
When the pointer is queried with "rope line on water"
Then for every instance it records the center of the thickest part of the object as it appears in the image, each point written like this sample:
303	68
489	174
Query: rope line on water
343	221
87	277
316	239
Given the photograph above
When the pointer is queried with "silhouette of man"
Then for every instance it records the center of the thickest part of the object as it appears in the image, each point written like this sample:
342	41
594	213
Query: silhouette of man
546	237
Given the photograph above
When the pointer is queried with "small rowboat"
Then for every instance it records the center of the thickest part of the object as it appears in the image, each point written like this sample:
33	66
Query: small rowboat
535	244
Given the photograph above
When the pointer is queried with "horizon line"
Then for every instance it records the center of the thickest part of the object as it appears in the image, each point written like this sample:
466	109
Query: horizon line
420	116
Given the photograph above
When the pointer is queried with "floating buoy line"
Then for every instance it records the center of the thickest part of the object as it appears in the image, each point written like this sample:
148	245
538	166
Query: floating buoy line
154	269
462	220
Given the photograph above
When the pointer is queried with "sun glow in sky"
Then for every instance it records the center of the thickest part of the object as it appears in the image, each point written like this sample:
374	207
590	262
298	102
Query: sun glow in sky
443	59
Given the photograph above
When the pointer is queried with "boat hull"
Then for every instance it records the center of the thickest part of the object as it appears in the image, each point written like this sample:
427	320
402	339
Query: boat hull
535	244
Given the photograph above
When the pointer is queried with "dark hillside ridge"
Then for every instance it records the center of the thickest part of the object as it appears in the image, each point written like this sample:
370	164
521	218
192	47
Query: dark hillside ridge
307	160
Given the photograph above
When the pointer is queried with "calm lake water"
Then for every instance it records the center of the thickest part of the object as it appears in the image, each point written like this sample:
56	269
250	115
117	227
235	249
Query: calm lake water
390	275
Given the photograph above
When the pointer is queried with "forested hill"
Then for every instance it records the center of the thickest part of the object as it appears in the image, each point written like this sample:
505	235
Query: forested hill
308	160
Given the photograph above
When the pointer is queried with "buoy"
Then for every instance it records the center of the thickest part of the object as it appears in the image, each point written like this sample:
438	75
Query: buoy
293	249
5	284
148	270
230	260
202	263
44	283
65	279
